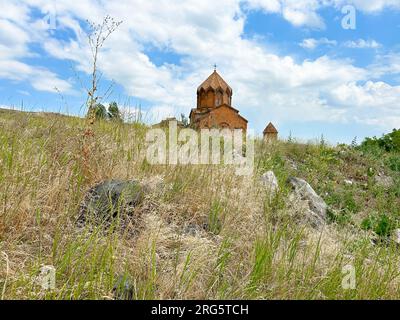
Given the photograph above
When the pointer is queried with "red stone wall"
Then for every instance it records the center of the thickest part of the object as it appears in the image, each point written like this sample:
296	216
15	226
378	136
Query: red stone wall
211	99
223	117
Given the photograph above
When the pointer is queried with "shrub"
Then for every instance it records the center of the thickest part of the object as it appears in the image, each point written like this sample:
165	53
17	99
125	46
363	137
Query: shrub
383	225
350	203
394	163
342	218
389	142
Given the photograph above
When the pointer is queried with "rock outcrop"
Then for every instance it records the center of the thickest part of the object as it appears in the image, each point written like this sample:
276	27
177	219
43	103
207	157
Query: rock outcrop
317	213
111	198
270	182
384	181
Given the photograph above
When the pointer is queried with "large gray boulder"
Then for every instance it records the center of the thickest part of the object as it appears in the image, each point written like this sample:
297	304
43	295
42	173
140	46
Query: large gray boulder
111	198
317	214
384	181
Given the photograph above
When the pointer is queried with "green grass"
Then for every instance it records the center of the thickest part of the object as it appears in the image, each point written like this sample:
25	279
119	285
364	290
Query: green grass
248	245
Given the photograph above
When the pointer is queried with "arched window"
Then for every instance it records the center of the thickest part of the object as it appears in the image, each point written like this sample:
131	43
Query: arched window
218	98
229	94
202	98
210	98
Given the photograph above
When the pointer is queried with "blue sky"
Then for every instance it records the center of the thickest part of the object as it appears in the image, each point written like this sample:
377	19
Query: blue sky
290	62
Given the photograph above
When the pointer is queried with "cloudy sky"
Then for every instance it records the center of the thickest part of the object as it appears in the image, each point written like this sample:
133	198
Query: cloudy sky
288	61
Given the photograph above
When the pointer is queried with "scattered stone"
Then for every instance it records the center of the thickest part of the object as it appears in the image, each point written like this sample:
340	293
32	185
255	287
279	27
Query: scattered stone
348	182
396	236
194	230
318	209
154	185
293	164
384	181
123	289
109	199
270	182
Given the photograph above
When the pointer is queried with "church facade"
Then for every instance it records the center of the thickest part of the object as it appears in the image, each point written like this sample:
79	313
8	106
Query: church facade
214	106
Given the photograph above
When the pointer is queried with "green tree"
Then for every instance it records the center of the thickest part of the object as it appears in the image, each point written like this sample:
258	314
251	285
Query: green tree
100	112
113	112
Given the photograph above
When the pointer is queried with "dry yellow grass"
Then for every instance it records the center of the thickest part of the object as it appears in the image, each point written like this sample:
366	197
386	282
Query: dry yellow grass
261	251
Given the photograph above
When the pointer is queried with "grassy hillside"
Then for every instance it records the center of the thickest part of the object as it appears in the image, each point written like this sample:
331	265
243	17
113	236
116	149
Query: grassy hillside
173	248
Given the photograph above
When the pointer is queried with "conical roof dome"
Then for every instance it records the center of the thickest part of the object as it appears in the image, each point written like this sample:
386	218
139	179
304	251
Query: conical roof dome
270	129
214	81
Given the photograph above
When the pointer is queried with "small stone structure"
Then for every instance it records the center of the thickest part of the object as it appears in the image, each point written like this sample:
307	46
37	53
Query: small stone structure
270	133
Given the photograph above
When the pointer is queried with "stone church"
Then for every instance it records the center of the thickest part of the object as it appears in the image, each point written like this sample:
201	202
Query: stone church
214	106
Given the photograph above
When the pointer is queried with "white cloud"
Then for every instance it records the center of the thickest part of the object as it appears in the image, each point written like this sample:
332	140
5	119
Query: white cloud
304	13
40	78
363	44
15	11
7	107
386	122
312	44
370	95
369	6
374	103
299	16
299	13
17	32
385	65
